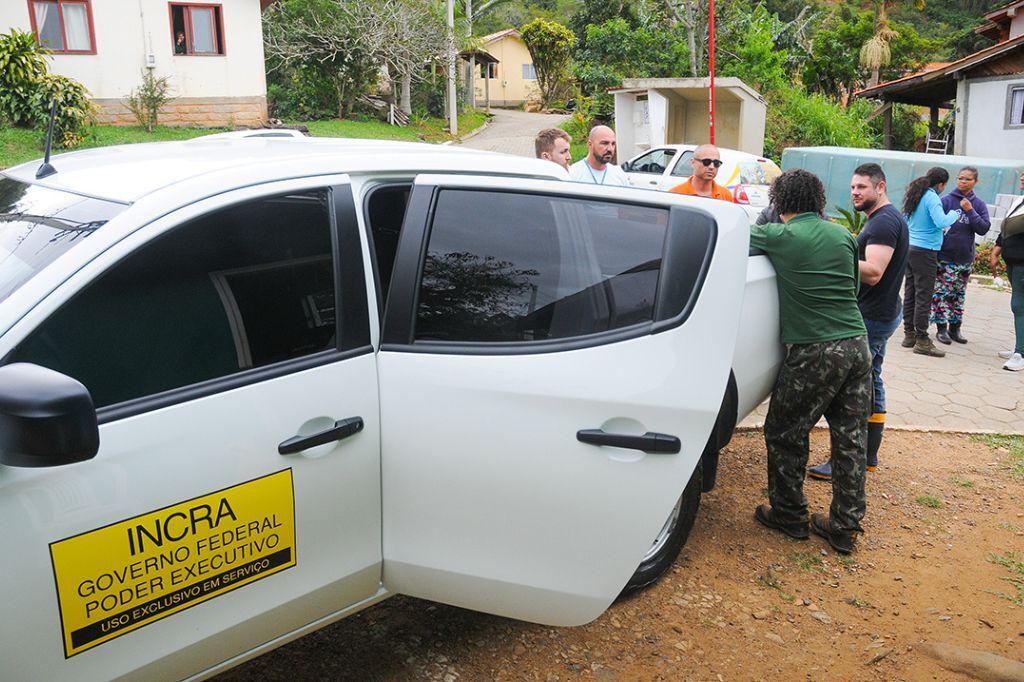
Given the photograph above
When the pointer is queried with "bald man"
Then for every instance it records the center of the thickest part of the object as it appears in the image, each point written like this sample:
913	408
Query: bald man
597	167
706	161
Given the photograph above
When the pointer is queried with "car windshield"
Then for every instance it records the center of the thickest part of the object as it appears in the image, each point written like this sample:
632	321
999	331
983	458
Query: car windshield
38	224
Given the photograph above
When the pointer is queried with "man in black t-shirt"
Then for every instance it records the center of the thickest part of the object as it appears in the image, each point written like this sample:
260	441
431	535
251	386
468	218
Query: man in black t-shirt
883	246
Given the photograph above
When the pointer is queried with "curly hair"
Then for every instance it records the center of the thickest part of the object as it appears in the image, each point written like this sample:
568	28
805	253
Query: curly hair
915	190
797	191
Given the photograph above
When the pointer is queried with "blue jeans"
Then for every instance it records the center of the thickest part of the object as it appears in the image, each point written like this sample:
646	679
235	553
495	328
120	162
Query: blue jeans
878	335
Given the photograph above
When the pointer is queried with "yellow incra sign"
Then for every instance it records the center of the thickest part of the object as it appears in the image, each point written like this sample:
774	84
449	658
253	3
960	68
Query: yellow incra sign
116	579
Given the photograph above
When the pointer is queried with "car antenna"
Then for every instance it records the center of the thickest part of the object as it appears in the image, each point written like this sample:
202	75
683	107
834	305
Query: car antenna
46	169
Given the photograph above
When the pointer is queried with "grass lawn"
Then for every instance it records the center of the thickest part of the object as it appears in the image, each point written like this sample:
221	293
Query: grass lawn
18	145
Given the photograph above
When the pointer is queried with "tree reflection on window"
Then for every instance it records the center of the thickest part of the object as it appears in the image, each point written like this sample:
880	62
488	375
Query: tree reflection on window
467	296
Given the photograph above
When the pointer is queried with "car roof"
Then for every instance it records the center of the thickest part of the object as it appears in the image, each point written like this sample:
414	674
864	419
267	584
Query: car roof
731	155
127	173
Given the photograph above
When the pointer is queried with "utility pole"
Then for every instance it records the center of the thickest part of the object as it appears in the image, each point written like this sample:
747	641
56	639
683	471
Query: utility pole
453	102
711	70
471	73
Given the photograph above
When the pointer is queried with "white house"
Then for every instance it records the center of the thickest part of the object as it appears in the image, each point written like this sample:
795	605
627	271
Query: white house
985	89
655	111
212	53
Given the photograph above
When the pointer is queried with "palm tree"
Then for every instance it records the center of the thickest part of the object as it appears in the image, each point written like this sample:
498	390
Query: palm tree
875	53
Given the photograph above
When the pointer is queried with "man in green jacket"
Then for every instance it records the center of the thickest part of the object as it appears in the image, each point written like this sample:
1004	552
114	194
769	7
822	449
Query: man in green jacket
827	369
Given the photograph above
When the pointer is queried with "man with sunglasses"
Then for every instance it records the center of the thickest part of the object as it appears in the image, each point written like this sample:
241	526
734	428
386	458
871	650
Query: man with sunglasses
706	161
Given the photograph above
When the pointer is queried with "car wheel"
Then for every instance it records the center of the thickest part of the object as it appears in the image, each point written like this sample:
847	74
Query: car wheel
670	538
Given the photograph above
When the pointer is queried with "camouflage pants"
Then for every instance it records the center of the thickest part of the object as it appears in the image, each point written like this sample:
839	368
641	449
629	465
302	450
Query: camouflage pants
831	378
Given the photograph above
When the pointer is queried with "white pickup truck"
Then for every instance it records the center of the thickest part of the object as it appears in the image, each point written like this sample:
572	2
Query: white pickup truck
250	387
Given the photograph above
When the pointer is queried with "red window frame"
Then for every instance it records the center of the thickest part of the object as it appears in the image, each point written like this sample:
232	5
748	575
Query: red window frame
60	17
218	32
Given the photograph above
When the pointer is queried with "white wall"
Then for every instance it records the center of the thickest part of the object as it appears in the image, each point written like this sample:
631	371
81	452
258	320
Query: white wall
982	119
1017	25
128	30
625	130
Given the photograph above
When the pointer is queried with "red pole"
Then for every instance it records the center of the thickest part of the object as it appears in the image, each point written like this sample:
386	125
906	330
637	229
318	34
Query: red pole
711	69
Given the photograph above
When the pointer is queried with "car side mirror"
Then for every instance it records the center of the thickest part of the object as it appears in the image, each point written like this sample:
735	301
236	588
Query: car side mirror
626	167
46	418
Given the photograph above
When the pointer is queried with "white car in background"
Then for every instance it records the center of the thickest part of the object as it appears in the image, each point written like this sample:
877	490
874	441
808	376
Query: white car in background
747	176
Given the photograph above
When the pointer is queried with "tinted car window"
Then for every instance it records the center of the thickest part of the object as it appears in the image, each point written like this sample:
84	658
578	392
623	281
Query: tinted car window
655	161
38	224
506	267
243	287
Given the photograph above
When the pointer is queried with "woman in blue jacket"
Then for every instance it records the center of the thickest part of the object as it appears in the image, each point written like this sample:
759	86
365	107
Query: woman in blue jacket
927	222
956	259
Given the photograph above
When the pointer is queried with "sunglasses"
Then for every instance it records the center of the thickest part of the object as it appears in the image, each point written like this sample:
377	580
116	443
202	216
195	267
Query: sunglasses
708	162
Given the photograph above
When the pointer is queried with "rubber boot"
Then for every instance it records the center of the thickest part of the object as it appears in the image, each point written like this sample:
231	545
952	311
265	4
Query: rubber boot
822	472
954	333
941	335
876	425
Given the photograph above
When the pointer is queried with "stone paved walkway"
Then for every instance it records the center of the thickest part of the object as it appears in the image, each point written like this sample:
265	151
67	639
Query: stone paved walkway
968	390
511	131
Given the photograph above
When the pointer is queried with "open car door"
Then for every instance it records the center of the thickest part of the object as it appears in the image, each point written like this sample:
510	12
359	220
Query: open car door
553	359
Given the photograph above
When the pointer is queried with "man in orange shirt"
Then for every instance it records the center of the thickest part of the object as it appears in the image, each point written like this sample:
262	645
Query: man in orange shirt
706	161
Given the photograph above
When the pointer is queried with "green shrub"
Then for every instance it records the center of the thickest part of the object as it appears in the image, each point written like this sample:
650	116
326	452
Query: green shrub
27	91
852	220
981	262
302	92
582	120
22	64
800	119
427	97
146	101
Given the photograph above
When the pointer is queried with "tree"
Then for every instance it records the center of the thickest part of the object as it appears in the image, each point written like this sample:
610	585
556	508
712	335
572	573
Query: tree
596	13
550	45
346	42
616	50
754	56
693	17
834	68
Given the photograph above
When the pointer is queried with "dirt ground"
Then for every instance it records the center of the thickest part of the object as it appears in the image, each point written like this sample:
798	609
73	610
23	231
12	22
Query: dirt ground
744	602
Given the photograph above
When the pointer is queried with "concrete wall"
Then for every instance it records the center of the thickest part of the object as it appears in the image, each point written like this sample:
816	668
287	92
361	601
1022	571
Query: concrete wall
509	89
983	127
209	90
678	114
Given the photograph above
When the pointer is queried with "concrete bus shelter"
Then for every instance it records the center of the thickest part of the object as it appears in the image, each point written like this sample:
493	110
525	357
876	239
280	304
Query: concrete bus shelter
656	111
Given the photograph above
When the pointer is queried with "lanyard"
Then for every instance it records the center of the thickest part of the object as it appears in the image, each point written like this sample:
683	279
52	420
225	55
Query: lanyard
594	177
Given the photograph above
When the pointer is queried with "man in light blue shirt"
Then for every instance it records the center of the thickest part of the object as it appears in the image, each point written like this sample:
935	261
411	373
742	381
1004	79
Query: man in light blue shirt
597	167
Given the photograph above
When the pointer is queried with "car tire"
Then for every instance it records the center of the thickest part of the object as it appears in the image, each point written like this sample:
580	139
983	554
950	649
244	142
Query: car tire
671	538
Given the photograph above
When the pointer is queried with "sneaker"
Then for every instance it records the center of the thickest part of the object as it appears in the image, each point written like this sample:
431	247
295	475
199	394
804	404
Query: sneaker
840	542
872	467
924	346
765	515
909	339
822	472
1006	354
1015	363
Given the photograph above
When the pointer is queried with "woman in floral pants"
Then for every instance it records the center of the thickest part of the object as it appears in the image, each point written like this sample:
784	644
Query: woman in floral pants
957	256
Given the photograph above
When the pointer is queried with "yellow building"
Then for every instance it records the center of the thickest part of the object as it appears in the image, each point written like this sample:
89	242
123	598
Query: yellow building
512	80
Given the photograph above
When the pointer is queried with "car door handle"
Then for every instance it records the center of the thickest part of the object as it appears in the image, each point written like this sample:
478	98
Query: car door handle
651	443
342	429
653	182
